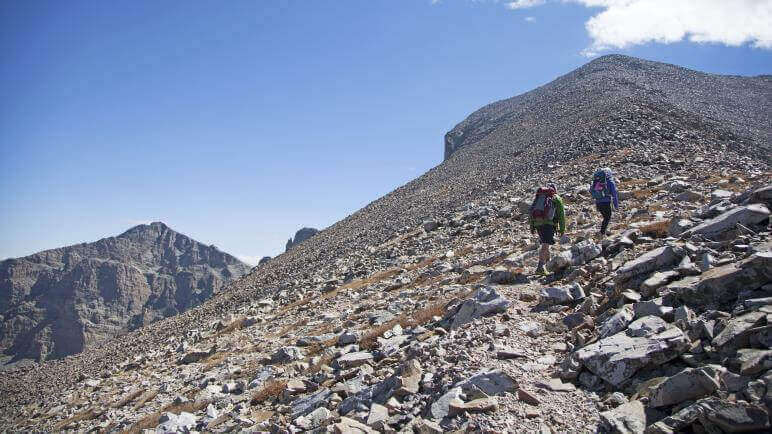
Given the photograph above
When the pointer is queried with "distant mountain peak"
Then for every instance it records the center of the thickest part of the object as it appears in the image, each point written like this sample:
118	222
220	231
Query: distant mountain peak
146	273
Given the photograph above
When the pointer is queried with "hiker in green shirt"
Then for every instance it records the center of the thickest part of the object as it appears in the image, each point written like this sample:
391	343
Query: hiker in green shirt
547	211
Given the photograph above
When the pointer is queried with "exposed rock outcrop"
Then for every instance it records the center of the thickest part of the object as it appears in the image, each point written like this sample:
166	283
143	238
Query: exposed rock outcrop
300	236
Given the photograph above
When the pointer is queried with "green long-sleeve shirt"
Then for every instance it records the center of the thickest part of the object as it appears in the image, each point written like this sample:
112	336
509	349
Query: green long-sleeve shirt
560	215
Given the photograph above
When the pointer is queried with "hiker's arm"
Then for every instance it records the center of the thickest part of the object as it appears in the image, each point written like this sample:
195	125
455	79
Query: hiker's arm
614	194
561	210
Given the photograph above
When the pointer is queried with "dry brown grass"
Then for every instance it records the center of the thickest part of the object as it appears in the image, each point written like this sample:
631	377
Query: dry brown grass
418	317
271	389
354	284
316	367
87	414
131	396
214	360
424	263
152	420
236	324
643	193
656	229
145	398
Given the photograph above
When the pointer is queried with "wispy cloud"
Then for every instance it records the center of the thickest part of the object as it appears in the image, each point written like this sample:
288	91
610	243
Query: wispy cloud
524	4
530	19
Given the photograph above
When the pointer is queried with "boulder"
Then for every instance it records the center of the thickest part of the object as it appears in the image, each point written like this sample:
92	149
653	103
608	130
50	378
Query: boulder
748	215
679	226
560	261
494	382
485	301
628	418
763	195
617	322
734	335
562	294
650	261
305	405
687	385
720	286
646	326
617	358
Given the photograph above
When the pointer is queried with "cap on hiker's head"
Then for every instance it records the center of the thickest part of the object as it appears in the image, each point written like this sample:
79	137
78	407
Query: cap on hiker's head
552	186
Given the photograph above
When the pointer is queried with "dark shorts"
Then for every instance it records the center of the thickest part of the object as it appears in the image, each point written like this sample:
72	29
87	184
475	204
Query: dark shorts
546	234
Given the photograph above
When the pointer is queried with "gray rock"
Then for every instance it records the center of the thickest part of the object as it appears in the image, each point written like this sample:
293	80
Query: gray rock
560	261
287	354
378	413
719	287
734	336
262	376
562	294
430	225
649	261
617	358
653	307
485	301
646	326
494	382
679	226
689	384
616	322
629	418
737	416
748	215
441	407
305	405
172	423
352	360
656	280
347	337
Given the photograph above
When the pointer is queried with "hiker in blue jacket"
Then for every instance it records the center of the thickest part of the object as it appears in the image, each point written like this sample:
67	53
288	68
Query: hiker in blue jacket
604	190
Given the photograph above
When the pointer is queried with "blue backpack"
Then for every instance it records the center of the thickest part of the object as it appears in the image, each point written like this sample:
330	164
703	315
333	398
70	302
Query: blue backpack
599	187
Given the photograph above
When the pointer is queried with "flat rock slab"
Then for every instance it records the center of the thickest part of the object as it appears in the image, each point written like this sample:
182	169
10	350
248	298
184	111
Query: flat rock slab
629	418
352	360
485	301
555	385
495	382
745	215
617	358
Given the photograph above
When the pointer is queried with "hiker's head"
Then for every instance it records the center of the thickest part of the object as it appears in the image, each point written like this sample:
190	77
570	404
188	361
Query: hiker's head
552	187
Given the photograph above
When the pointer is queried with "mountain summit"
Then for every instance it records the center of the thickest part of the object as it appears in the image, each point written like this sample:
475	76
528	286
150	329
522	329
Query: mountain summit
59	302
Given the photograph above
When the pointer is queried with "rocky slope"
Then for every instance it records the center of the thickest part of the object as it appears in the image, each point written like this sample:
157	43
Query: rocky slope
419	313
59	302
300	236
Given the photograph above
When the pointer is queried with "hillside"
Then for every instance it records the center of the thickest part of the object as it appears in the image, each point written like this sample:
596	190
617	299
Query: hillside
61	301
420	312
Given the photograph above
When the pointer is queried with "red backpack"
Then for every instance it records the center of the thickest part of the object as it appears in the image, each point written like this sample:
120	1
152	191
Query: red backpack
542	207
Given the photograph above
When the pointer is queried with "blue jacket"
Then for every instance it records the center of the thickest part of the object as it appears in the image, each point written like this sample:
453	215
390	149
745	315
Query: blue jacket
612	187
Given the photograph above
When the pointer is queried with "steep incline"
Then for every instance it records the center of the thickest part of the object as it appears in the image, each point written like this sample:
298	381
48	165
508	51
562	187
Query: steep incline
739	104
58	302
574	117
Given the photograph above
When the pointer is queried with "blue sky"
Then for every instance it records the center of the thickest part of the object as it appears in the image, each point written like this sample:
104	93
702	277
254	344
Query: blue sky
239	122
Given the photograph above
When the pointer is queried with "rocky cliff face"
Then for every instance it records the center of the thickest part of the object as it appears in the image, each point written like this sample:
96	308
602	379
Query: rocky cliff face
61	301
300	236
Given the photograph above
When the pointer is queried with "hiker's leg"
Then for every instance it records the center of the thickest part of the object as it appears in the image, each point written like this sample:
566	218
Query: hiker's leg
605	211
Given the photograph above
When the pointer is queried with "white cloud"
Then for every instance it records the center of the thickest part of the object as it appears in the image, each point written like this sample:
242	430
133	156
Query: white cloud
623	23
524	4
530	19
